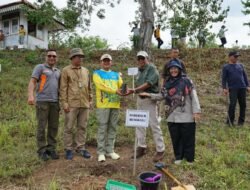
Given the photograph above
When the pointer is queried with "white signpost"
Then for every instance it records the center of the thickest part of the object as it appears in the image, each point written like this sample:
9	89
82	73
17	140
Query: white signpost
136	118
132	72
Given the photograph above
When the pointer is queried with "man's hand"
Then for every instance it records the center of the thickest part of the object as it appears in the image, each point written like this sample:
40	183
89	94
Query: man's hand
248	89
66	109
196	116
118	92
225	92
31	100
144	94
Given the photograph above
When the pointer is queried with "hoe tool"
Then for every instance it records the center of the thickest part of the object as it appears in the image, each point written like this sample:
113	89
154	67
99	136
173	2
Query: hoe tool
180	186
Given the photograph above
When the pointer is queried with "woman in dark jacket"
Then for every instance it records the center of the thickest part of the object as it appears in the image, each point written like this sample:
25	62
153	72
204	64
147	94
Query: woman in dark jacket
183	110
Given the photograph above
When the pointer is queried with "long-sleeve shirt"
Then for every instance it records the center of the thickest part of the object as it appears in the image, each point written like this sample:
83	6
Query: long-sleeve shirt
183	114
75	87
107	83
234	76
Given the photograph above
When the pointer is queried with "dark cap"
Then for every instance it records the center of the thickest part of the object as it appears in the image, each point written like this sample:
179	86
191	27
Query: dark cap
174	63
234	53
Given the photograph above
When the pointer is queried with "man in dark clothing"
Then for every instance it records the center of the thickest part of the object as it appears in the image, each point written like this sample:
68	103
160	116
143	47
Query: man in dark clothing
174	54
235	83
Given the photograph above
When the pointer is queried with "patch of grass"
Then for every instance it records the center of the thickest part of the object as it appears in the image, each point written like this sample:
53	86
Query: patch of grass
222	153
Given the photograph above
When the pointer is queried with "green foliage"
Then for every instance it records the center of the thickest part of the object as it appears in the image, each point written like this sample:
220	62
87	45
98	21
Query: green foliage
191	16
44	14
246	10
88	44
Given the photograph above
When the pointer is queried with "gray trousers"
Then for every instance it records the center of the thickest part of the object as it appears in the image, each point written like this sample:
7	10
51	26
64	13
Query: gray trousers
107	118
79	116
150	105
47	113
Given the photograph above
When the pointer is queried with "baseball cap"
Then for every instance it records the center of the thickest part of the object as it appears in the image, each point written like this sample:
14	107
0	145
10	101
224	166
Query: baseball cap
234	53
142	53
75	51
106	56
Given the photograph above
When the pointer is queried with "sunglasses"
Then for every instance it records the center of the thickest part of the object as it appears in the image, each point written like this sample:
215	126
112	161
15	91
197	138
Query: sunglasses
49	56
140	58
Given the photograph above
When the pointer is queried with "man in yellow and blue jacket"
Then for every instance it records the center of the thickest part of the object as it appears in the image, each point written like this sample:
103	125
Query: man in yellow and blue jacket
107	84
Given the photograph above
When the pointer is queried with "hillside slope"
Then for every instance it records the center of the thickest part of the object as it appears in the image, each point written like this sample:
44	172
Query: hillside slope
222	153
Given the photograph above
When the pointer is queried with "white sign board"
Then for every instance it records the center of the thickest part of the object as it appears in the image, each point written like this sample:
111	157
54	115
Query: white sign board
137	118
132	71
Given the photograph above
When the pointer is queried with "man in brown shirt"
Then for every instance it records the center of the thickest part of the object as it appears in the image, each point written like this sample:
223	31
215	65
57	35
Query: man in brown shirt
75	96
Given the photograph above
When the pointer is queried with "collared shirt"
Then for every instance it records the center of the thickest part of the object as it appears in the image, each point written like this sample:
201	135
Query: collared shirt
148	74
75	87
48	81
107	83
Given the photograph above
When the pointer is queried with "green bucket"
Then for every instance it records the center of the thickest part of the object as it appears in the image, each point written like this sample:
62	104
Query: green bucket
116	185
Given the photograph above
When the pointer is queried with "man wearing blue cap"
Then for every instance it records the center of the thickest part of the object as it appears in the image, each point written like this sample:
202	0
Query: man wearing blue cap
235	84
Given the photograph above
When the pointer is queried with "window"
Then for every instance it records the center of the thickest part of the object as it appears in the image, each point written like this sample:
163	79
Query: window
6	27
14	25
39	32
31	29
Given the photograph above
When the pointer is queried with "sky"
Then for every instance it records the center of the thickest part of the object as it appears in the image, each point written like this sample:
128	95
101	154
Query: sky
116	30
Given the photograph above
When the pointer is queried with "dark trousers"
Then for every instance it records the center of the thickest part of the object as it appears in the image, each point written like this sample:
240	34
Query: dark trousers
223	42
234	95
183	140
47	113
160	42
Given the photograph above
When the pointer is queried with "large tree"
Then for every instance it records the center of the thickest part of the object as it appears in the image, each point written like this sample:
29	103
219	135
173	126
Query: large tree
190	16
246	10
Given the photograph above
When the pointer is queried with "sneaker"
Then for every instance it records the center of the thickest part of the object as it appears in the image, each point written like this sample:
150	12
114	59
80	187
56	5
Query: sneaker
140	151
101	158
177	162
43	156
69	154
84	153
52	154
114	156
158	156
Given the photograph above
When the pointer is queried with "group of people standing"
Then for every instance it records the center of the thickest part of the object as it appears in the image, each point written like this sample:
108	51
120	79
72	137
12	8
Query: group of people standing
73	85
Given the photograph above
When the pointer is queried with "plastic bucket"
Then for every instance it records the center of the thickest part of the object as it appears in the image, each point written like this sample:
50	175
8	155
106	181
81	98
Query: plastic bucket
145	185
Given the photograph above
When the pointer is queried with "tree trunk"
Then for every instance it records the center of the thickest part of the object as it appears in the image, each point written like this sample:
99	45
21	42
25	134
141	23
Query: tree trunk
146	25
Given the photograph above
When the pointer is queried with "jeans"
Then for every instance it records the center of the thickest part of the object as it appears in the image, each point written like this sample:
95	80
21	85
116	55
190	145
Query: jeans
160	42
234	95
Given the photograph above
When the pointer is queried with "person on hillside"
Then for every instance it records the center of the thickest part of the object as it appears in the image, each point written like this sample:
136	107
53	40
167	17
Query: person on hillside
222	36
148	81
1	39
202	37
107	84
174	37
235	84
174	54
136	36
45	79
184	110
22	33
76	99
157	35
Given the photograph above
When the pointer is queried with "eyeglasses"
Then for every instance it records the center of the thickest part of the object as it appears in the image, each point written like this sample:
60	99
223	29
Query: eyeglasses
140	58
49	56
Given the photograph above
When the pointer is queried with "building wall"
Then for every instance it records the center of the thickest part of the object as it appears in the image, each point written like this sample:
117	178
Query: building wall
30	42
